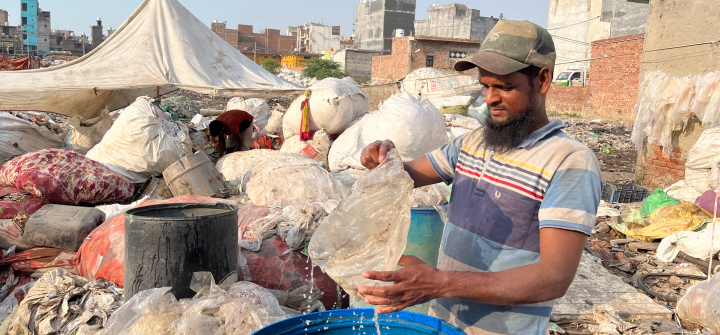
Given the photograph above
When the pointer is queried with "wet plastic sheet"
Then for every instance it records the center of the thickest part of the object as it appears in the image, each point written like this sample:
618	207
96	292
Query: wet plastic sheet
368	231
240	309
701	304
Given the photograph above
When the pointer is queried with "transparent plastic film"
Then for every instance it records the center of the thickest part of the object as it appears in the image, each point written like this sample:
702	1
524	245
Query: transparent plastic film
368	231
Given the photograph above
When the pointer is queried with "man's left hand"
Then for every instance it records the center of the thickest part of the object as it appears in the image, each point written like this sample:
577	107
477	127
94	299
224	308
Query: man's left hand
416	283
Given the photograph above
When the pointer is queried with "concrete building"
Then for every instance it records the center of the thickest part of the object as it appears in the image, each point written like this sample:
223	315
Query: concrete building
576	24
455	21
36	26
97	33
411	53
269	41
10	40
296	61
358	63
67	41
378	21
317	38
4	18
347	42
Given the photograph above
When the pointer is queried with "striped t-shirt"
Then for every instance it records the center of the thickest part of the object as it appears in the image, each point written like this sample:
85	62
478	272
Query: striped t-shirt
499	203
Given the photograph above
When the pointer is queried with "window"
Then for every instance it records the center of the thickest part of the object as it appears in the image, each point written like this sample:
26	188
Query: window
336	31
429	60
24	21
46	40
307	57
24	7
46	26
575	76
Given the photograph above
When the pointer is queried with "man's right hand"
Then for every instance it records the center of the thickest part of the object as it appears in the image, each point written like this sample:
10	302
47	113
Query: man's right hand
375	153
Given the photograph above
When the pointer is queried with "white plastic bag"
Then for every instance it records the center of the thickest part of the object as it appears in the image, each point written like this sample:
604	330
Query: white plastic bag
701	304
334	103
430	196
443	89
273	178
460	121
84	135
317	148
414	125
368	230
682	191
693	243
275	122
258	108
142	143
702	157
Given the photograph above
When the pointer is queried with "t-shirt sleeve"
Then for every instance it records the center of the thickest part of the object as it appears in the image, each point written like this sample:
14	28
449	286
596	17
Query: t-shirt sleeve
443	160
572	200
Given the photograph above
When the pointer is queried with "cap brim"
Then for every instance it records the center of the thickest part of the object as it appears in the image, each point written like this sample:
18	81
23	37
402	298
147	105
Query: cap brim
491	62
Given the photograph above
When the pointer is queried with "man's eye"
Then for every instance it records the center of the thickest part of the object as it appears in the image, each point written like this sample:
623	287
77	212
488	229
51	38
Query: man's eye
507	89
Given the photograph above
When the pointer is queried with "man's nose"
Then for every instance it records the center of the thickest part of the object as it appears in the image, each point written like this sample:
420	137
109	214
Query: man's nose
492	96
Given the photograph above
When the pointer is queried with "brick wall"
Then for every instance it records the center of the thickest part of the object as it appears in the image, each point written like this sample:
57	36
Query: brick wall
663	171
569	99
245	38
614	81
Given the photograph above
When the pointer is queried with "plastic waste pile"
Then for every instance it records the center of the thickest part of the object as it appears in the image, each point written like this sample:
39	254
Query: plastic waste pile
63	303
20	136
183	106
701	170
295	224
701	304
449	92
272	178
83	135
666	104
368	230
236	309
296	77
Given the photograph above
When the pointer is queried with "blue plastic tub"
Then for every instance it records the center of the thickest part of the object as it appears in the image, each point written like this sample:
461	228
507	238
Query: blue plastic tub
424	237
350	321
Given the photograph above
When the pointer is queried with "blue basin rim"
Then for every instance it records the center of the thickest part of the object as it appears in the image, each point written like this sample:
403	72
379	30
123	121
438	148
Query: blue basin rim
336	320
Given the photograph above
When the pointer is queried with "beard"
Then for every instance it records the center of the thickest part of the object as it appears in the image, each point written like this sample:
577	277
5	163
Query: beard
504	136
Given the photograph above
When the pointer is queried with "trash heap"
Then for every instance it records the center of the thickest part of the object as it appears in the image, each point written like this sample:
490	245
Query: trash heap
296	77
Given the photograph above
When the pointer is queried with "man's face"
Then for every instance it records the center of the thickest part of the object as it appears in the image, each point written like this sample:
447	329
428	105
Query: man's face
508	96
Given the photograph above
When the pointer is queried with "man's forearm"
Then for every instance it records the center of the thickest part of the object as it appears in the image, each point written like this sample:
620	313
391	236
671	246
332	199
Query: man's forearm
518	286
422	172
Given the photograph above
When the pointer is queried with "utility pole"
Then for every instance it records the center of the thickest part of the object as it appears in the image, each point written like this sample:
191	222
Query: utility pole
255	51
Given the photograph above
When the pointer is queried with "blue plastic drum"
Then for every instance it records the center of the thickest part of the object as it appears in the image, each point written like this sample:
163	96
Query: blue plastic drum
359	322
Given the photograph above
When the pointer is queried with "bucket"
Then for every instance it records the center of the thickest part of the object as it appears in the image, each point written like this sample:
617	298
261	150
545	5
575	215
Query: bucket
360	321
165	244
424	237
195	175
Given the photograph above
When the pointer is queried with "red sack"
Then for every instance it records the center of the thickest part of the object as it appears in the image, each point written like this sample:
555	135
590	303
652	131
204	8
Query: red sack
11	207
65	177
102	255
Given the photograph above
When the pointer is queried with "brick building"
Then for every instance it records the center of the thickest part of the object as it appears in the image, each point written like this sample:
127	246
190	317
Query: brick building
270	41
4	18
411	53
612	89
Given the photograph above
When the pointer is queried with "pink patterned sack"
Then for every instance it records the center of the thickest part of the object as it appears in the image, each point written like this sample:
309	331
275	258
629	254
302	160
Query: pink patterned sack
65	177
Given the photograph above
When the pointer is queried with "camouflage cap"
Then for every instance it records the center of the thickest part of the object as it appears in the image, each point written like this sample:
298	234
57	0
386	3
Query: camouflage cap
512	46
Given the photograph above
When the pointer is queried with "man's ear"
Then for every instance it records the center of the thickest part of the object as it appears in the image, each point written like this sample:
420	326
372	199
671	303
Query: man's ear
545	79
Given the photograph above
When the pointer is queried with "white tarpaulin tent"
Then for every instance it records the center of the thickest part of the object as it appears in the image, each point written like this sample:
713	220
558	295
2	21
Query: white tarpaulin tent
161	45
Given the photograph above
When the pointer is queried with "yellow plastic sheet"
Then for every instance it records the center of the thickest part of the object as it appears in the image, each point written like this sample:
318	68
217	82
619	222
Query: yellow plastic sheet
669	220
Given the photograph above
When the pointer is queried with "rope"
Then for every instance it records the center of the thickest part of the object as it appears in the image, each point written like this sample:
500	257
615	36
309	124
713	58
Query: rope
575	24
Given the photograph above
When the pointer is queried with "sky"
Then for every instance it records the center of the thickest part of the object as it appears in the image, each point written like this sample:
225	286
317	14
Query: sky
79	15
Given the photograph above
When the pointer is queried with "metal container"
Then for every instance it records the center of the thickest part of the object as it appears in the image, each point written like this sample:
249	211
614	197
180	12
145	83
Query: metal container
424	237
195	175
165	244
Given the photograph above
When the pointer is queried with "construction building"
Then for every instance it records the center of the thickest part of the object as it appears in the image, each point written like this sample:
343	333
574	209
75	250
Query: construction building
269	41
378	21
36	26
4	18
10	40
455	21
576	24
317	38
97	33
411	53
68	42
358	63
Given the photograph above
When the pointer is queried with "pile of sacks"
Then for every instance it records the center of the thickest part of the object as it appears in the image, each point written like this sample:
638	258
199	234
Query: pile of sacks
449	92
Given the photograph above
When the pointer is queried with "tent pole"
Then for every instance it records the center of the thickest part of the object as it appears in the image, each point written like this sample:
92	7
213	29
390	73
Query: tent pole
157	94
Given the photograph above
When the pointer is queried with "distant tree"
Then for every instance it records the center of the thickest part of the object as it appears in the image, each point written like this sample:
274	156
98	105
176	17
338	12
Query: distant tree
323	68
271	66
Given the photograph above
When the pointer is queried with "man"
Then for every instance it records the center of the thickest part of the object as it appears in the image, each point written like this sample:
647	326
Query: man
524	199
238	125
